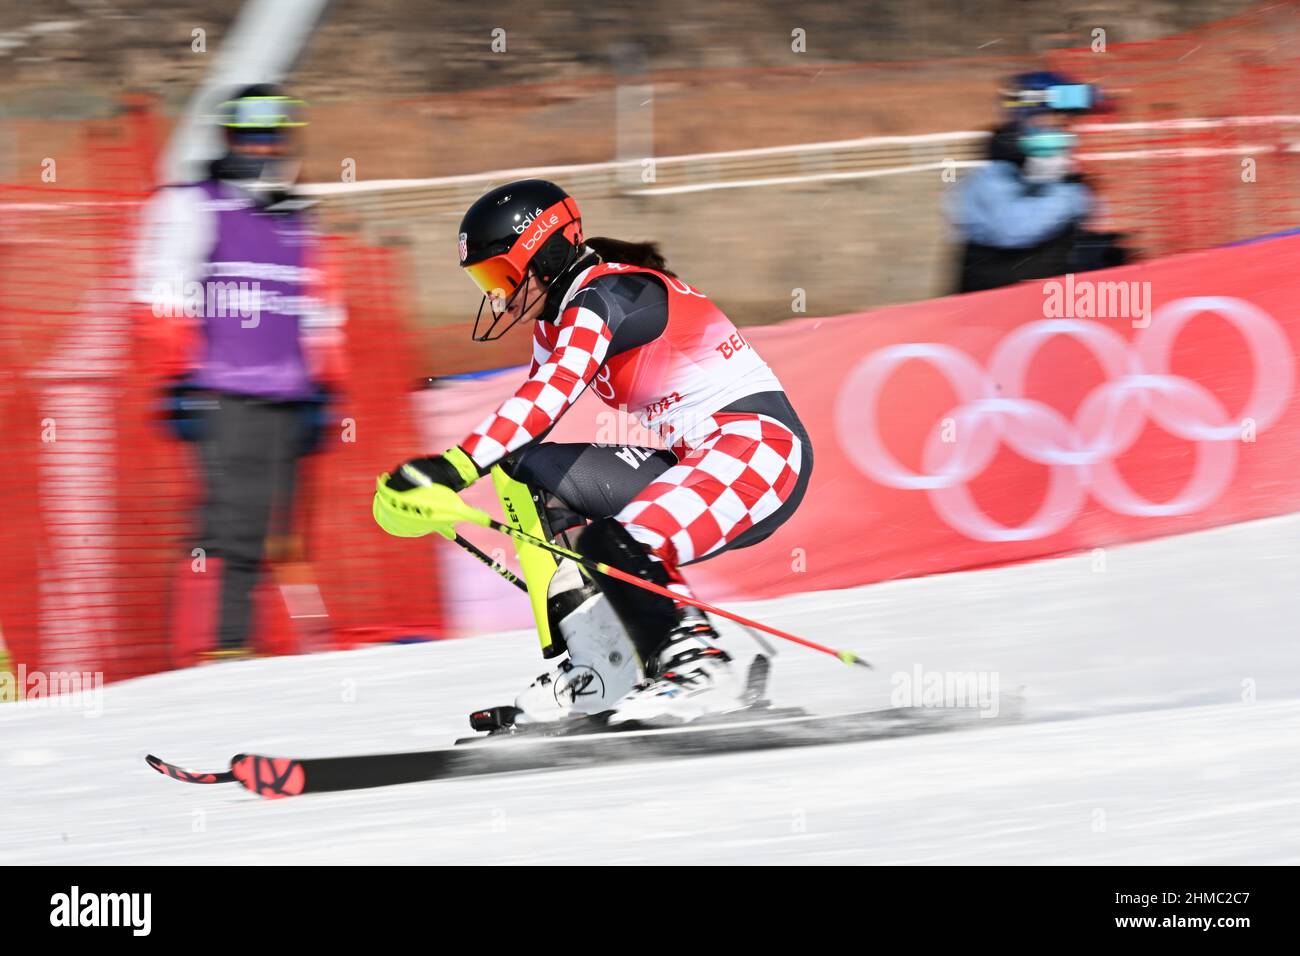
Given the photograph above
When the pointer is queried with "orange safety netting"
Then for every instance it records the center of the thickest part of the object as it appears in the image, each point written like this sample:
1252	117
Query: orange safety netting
1202	146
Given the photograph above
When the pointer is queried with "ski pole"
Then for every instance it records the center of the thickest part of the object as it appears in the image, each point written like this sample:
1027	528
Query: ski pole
442	506
848	657
506	573
763	643
500	569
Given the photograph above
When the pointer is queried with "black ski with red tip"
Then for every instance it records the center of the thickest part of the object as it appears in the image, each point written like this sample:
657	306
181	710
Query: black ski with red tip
187	776
274	777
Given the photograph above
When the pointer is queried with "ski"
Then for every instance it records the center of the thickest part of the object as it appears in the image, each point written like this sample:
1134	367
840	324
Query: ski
276	777
187	776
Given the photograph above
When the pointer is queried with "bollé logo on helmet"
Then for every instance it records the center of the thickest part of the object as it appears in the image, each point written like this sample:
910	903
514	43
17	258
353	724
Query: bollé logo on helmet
528	218
543	226
464	247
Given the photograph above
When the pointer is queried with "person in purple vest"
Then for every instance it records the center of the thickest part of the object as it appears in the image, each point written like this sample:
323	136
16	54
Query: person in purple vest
228	267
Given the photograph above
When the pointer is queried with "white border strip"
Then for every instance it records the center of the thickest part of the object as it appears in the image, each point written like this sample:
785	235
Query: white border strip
960	136
809	178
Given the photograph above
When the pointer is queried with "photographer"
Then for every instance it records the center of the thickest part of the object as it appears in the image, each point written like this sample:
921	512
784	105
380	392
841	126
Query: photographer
1022	215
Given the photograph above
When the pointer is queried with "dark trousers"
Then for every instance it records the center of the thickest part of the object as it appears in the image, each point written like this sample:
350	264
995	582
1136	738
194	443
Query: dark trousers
248	451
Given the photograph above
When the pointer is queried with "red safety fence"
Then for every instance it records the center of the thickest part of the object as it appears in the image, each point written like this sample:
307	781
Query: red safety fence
983	429
1201	143
64	356
369	594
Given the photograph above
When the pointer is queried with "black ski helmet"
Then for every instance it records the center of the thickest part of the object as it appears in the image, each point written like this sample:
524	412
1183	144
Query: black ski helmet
529	223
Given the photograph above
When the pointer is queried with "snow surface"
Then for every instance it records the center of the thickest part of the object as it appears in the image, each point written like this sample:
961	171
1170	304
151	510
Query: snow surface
1161	695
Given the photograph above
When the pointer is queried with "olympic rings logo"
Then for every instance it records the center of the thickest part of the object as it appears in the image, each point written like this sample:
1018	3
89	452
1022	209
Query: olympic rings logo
1080	455
601	384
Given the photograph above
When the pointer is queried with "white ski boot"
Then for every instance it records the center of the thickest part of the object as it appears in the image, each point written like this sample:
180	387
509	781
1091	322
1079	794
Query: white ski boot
693	678
600	668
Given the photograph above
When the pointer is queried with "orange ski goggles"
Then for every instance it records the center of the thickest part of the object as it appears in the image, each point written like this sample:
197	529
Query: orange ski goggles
497	278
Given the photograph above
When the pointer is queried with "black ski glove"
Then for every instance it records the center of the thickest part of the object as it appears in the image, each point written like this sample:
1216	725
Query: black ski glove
453	468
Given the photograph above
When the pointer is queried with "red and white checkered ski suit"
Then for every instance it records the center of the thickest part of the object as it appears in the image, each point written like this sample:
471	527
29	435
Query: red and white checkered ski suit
678	364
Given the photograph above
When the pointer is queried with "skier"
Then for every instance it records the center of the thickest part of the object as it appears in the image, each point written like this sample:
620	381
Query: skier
609	315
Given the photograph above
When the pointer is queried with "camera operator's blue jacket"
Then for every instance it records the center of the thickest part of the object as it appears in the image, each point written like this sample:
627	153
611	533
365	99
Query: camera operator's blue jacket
996	207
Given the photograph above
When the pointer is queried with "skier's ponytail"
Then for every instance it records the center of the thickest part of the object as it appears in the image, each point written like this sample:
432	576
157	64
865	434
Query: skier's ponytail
645	255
